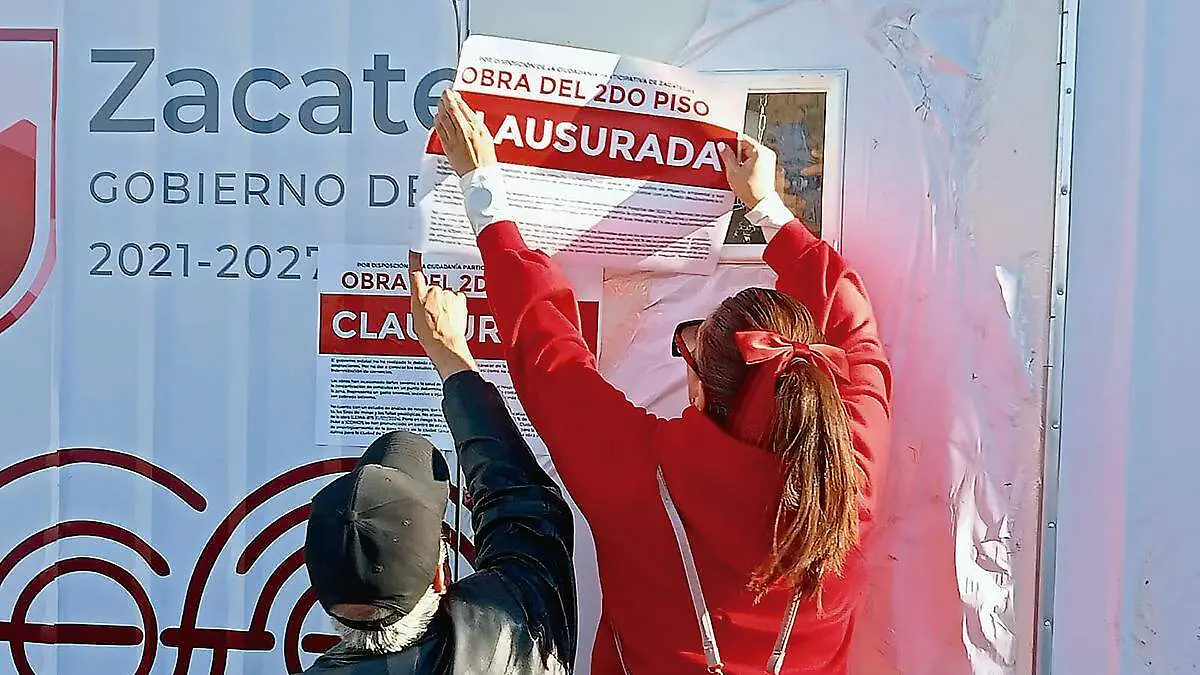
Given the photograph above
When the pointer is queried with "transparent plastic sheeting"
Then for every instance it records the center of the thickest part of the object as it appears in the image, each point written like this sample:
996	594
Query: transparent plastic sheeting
951	571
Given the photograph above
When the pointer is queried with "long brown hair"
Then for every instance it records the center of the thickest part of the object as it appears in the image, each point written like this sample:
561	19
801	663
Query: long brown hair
816	522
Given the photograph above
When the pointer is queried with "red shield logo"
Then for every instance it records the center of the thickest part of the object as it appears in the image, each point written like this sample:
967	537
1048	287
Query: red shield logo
28	60
18	196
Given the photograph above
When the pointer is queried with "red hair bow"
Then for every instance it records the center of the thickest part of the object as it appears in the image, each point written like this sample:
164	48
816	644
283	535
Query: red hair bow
760	346
771	354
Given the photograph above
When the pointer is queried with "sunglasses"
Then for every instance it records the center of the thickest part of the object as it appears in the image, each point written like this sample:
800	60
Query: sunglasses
683	342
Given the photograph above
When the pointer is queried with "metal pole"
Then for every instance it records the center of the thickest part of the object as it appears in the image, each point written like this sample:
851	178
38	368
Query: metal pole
1051	439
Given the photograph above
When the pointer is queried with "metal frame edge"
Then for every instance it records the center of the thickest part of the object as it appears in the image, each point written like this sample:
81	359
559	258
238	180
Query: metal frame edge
1056	350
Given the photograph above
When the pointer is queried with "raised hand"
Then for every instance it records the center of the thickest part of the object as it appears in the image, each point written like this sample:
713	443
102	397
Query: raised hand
750	171
467	142
440	321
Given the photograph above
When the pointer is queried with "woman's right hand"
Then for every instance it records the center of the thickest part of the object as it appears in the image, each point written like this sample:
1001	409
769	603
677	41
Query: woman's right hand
467	142
750	170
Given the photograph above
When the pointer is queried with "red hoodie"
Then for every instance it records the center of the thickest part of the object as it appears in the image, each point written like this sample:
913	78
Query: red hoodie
608	451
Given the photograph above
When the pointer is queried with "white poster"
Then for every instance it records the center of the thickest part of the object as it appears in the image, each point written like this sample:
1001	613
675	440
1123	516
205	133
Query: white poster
607	159
372	374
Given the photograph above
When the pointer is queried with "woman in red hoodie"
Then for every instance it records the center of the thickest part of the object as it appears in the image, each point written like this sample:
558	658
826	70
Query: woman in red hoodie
729	540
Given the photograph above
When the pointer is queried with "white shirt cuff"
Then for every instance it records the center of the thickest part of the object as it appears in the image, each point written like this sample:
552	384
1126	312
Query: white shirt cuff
771	214
484	197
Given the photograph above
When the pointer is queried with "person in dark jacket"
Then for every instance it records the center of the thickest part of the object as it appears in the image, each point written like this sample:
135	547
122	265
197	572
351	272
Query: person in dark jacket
375	554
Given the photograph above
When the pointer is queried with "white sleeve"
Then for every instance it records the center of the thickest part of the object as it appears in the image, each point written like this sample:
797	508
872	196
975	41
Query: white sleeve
484	197
771	214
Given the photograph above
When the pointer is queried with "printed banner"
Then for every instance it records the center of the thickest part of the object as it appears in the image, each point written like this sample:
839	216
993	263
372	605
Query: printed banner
157	297
607	160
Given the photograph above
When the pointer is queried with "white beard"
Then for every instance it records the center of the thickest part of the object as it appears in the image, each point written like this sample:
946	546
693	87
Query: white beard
397	636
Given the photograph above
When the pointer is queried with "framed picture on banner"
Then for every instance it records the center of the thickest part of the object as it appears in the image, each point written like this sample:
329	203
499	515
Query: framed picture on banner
801	115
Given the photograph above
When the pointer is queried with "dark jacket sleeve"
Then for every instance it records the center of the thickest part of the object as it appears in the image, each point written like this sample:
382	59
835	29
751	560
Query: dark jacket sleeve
524	529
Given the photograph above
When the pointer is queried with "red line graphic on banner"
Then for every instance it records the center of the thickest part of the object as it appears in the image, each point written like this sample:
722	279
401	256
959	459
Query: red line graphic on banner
114	458
290	565
258	545
293	643
84	528
22	632
188	636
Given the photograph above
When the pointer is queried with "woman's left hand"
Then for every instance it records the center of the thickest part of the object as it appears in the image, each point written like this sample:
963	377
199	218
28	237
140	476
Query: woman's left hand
467	142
